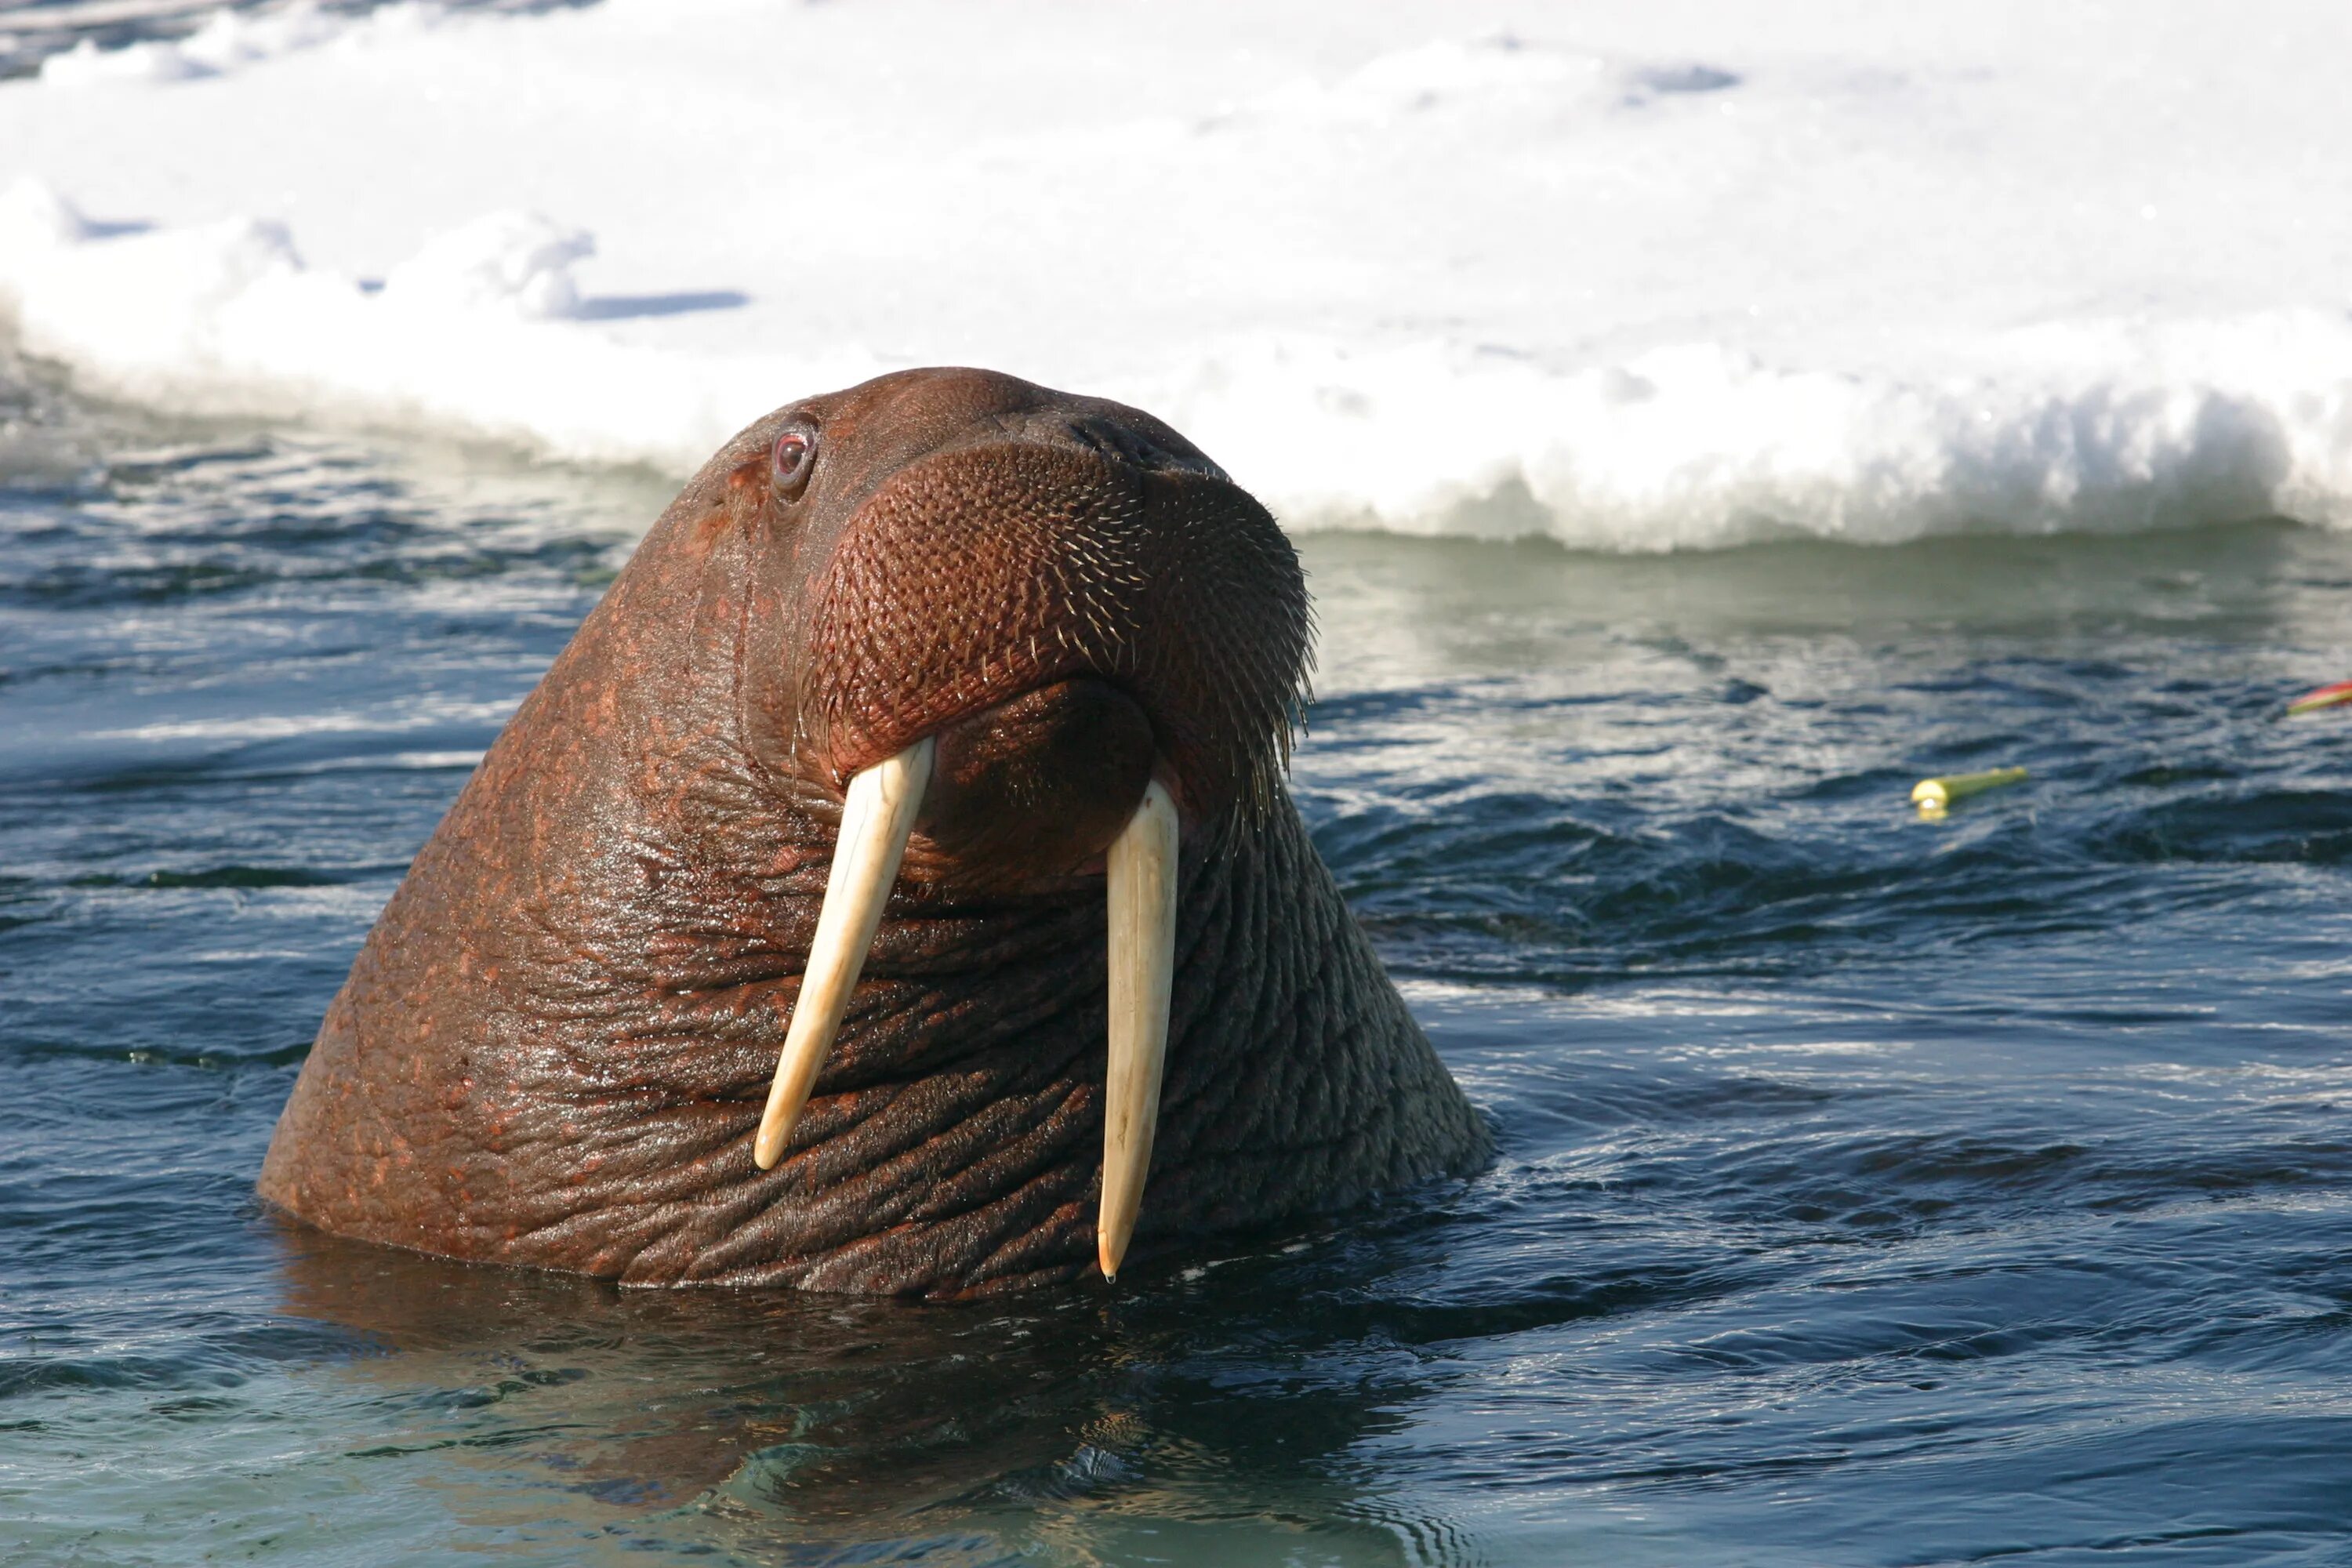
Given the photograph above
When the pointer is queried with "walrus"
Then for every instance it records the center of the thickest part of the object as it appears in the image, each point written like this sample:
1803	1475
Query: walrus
893	879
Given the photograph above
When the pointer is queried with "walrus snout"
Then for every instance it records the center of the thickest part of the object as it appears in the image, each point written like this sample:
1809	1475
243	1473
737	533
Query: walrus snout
979	574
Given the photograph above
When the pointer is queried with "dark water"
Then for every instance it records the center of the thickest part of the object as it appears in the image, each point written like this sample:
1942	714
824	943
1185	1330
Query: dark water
1872	1191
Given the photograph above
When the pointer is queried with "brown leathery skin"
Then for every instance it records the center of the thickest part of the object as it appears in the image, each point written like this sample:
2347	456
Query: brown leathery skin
554	1047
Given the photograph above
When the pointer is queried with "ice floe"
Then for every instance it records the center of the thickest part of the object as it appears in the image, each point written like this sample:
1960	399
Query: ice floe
1637	278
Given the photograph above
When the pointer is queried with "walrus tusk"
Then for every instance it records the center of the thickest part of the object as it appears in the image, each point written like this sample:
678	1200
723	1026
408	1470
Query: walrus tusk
875	821
1141	872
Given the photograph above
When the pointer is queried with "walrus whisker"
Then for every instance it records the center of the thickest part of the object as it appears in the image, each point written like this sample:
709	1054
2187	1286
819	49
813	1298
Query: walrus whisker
1139	872
875	817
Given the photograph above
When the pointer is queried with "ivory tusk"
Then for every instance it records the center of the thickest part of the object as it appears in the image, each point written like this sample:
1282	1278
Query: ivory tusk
1141	872
875	821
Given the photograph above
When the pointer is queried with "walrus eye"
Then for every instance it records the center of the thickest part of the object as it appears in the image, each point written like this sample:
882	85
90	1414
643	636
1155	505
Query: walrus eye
795	456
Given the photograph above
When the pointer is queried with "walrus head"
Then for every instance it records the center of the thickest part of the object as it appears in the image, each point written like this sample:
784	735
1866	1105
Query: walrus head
937	731
977	538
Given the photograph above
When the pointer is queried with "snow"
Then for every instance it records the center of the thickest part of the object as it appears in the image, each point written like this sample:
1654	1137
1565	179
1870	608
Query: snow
1639	277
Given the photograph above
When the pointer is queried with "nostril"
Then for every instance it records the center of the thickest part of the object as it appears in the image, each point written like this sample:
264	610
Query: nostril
1114	439
1102	435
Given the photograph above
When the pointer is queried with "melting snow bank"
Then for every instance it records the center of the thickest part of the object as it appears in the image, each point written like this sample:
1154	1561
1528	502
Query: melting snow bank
1864	279
476	334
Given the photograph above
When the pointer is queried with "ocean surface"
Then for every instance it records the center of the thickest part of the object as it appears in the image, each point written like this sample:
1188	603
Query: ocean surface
1871	1190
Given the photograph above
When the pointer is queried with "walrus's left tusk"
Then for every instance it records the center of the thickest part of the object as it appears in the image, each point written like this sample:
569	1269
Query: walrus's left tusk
1141	873
875	821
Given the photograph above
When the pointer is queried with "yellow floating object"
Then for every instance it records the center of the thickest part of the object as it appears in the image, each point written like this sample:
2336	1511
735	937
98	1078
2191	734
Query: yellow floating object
1935	795
2320	698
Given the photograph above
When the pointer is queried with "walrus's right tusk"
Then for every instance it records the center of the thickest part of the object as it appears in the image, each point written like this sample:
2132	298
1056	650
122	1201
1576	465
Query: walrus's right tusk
875	821
1140	872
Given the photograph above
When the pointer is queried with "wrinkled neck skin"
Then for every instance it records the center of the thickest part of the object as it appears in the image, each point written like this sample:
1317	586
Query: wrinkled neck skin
554	1047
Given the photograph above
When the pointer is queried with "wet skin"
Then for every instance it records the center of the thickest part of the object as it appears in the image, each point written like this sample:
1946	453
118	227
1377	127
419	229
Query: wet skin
554	1047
